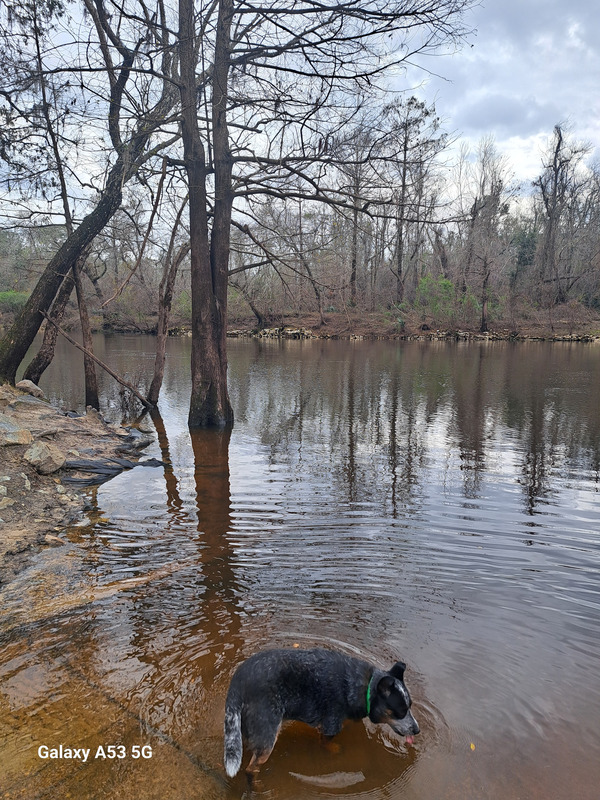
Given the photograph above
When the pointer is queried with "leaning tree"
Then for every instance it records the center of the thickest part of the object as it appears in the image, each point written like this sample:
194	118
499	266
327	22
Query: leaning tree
115	100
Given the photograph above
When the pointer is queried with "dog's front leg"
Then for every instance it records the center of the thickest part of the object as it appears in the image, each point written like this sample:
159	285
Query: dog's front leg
329	729
328	744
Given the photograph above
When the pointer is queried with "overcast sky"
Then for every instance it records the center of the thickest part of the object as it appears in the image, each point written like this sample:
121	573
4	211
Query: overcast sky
529	65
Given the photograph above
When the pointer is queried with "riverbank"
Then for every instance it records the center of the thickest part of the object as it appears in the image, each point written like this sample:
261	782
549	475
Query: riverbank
46	458
563	325
568	322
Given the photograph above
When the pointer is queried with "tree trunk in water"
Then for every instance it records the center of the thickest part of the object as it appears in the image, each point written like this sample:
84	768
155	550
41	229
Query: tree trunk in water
89	367
209	259
165	297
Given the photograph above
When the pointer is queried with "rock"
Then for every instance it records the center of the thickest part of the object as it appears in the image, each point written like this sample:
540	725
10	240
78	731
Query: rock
48	433
6	502
45	458
26	403
54	540
30	388
11	433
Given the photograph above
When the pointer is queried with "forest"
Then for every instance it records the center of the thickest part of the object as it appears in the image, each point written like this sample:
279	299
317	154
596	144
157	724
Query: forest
197	167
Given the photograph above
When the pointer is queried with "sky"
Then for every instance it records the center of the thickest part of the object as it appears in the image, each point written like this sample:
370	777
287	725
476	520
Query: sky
529	65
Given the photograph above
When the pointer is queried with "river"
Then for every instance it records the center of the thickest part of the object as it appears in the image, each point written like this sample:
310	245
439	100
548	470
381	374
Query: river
431	502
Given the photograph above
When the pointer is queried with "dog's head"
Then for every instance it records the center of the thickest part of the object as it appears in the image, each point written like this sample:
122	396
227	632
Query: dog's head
390	702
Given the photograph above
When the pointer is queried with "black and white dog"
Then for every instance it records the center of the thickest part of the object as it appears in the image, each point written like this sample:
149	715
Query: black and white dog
320	687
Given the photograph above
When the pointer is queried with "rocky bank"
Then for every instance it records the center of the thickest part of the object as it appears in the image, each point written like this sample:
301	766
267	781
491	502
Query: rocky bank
46	458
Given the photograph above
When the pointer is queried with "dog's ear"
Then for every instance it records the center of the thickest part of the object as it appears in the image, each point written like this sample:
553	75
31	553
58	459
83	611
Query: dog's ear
398	670
385	685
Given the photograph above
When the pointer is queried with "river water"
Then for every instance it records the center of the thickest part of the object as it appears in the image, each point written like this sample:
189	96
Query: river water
436	503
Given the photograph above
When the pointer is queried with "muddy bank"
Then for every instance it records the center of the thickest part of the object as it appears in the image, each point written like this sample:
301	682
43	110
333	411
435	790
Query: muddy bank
46	459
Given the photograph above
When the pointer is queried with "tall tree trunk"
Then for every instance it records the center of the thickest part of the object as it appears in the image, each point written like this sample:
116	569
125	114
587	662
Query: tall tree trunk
209	258
43	358
165	297
354	252
401	215
89	367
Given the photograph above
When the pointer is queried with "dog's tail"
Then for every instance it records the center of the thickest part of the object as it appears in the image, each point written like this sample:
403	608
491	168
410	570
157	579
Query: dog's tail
233	736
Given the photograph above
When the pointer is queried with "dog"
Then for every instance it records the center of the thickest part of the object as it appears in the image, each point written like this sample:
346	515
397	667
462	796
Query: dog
320	687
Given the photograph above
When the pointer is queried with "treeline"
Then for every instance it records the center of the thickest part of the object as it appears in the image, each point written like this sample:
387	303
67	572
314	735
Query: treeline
462	245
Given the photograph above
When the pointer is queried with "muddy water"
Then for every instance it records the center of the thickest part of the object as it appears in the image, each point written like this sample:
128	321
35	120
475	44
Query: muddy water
435	503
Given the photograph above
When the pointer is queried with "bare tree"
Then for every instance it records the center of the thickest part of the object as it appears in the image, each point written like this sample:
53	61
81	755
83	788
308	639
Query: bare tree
486	249
263	92
560	186
260	93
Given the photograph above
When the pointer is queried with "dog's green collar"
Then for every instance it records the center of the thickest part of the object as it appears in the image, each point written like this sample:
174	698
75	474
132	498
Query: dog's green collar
369	695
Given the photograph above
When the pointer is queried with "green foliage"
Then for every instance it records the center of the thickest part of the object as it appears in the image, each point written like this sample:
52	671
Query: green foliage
395	314
436	296
183	305
525	242
12	301
440	299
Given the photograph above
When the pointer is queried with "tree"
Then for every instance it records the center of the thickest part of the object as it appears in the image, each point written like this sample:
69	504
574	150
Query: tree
560	185
413	143
485	245
130	126
269	95
209	251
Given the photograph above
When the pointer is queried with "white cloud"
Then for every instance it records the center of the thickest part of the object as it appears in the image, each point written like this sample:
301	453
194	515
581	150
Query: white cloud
530	65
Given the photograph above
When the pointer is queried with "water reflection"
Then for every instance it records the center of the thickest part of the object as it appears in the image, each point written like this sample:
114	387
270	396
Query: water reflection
432	502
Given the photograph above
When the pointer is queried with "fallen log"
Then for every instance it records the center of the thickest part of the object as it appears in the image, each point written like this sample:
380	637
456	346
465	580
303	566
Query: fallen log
101	471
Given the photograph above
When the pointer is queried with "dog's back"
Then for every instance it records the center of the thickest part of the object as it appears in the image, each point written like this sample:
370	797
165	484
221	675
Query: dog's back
320	687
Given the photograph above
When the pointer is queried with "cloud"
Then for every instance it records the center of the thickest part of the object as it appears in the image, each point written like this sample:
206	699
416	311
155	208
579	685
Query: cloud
530	65
506	115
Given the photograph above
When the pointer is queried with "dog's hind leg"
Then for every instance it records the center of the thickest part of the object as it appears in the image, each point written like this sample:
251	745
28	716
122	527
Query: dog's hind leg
262	731
257	760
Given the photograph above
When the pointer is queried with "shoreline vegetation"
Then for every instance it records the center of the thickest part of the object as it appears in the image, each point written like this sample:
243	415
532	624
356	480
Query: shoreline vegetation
571	322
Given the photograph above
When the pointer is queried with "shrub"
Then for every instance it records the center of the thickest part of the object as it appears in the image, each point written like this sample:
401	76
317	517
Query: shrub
12	301
437	297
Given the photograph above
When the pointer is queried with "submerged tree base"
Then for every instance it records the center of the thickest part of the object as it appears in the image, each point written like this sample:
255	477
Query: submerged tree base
209	401
210	412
